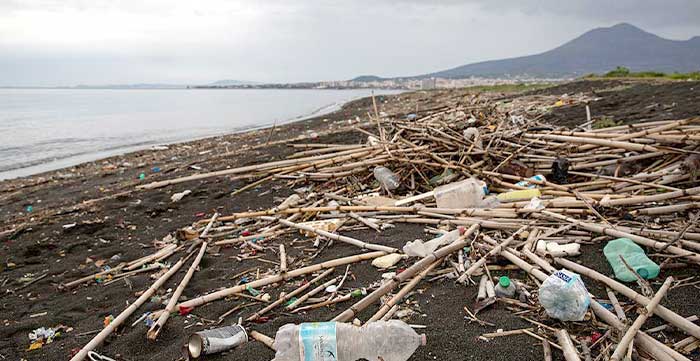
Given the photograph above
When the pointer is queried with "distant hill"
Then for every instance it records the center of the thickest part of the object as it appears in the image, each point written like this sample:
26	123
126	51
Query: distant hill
597	51
367	78
229	82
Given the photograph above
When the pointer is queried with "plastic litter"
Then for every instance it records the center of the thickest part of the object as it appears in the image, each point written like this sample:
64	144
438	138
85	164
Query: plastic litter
505	288
557	250
564	296
418	248
321	341
538	177
472	134
468	193
560	170
523	194
178	196
216	340
634	256
387	179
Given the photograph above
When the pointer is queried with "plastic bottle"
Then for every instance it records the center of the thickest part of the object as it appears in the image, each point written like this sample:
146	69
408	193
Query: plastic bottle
324	341
564	296
634	256
386	178
468	193
418	248
505	288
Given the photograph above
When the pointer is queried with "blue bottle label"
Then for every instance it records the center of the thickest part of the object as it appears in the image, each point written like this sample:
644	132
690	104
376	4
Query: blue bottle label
317	341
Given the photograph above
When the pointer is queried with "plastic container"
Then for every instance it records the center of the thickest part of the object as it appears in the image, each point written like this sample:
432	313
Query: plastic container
468	193
216	340
505	288
386	178
324	341
519	195
634	256
472	134
564	296
557	250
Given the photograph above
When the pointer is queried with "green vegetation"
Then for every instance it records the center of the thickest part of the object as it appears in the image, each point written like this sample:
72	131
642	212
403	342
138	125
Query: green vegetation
507	88
605	122
622	72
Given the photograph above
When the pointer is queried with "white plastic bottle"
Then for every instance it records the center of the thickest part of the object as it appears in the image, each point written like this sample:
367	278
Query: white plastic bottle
324	341
564	296
468	193
386	178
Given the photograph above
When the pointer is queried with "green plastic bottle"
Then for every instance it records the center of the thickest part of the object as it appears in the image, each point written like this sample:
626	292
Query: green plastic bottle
635	257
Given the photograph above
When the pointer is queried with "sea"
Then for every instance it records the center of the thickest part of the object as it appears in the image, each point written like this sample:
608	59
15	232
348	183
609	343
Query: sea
48	129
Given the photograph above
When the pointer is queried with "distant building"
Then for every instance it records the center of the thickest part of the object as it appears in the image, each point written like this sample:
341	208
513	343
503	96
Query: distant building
428	83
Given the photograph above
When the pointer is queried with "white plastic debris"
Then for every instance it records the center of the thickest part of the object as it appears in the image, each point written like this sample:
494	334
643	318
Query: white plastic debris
178	196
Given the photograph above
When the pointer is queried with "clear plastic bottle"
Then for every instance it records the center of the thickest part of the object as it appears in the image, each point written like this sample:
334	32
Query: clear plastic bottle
386	178
634	256
564	296
324	341
468	193
505	288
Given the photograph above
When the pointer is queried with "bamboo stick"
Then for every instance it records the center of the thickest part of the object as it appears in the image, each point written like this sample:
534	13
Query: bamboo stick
637	325
567	346
145	296
337	237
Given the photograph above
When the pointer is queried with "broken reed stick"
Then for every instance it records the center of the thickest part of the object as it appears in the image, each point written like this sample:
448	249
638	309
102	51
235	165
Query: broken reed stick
403	292
546	351
596	141
264	339
401	277
661	311
157	326
653	198
289	295
641	133
162	253
567	346
145	296
278	278
624	343
494	251
283	259
337	237
310	294
616	305
592	227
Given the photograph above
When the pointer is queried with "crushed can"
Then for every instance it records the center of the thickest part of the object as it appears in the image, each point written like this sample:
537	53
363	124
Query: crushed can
216	340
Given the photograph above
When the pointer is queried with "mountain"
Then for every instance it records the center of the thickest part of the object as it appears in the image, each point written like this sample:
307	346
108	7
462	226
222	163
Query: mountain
597	51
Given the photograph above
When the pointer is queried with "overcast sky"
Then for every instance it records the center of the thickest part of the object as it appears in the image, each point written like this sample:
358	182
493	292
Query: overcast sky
68	42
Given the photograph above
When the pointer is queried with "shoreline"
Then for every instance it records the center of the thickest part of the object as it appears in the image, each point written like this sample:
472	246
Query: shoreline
74	160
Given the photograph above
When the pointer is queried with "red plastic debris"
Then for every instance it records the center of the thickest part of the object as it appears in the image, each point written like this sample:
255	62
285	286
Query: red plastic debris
595	336
184	311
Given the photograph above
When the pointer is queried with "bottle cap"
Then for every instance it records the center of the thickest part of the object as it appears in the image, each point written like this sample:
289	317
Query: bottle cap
423	339
643	272
504	281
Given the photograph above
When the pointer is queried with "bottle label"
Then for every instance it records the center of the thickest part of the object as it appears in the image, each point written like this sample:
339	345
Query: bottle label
317	341
565	276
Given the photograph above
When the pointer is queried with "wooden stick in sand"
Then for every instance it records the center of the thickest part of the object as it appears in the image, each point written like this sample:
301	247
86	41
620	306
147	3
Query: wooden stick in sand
337	237
567	346
310	294
283	259
403	292
624	343
155	329
145	296
278	278
401	277
264	339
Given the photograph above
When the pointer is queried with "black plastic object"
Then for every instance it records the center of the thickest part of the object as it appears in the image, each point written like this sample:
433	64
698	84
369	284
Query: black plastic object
560	170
